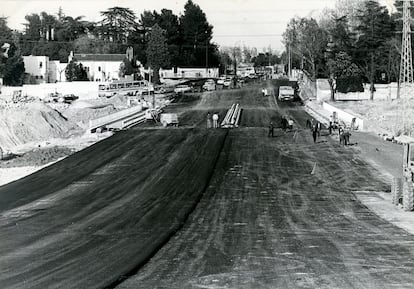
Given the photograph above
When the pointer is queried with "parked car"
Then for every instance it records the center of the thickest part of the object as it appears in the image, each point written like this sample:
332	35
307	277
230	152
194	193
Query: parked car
209	85
182	88
228	82
221	80
68	98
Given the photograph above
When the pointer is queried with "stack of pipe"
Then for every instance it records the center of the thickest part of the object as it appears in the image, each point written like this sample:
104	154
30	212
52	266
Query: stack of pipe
232	117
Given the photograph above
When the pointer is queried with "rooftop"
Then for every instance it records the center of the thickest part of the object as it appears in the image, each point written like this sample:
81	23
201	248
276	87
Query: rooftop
99	57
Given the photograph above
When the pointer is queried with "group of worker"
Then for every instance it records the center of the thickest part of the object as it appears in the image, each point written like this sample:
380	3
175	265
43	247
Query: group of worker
212	120
286	123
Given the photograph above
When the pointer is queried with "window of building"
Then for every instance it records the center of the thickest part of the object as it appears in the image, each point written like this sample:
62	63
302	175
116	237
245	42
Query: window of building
99	68
40	64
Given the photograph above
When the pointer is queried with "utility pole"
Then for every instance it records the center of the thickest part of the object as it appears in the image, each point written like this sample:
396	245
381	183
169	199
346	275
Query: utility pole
406	66
289	62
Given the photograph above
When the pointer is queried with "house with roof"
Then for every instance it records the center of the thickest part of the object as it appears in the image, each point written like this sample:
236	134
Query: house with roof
100	67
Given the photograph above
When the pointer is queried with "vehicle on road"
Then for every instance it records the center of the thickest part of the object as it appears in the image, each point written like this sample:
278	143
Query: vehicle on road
181	88
221	80
167	119
286	93
209	85
137	87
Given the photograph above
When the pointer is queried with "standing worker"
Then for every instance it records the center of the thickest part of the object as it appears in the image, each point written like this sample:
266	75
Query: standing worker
209	120
318	128
215	120
271	127
314	133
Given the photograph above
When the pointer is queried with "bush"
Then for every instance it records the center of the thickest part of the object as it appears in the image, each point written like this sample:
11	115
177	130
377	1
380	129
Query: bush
349	84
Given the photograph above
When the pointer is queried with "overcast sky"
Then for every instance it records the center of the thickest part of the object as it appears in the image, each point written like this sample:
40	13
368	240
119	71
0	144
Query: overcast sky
254	23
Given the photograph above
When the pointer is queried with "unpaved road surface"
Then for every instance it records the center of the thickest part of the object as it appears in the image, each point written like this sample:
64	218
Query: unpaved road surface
197	208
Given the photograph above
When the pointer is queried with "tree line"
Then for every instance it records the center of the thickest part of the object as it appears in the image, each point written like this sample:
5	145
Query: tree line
352	47
158	38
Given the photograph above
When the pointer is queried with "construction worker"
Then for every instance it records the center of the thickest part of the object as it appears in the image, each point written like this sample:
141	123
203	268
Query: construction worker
284	123
346	134
215	120
271	127
290	124
318	128
314	133
209	120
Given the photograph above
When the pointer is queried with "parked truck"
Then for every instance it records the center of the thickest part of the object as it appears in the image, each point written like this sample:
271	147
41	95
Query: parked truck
402	189
286	93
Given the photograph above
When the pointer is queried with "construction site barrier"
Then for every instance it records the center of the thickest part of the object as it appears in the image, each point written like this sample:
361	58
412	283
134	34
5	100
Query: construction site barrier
119	120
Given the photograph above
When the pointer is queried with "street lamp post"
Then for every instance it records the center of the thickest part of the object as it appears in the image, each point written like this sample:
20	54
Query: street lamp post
206	53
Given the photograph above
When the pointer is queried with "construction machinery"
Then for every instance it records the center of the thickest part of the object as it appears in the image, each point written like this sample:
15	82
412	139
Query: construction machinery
402	189
169	119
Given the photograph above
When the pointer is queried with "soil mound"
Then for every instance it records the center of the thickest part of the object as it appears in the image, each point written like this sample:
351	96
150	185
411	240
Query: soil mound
32	121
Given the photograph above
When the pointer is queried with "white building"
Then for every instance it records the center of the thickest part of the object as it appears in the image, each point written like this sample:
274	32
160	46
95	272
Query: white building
245	70
100	67
37	67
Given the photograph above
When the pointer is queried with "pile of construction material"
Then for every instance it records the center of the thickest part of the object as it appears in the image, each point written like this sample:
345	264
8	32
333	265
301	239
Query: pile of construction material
232	117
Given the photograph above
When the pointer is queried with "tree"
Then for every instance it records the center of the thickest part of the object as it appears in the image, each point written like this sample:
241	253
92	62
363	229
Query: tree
117	24
169	22
157	51
11	60
196	37
12	67
5	31
307	41
375	27
125	68
75	71
344	75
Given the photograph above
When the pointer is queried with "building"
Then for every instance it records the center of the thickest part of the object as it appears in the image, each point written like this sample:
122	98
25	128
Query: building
37	67
43	70
100	67
245	70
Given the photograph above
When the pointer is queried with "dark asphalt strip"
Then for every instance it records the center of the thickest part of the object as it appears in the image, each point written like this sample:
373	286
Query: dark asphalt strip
52	178
143	262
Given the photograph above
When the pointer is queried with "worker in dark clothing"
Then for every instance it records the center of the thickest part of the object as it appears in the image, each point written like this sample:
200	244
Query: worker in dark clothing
308	124
346	134
209	120
283	123
314	133
330	127
318	128
271	128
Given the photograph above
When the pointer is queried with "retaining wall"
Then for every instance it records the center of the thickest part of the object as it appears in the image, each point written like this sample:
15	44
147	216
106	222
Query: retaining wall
344	116
83	89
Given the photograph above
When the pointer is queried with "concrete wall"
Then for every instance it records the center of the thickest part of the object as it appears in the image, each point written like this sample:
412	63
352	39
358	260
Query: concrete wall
307	87
83	89
343	115
383	92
